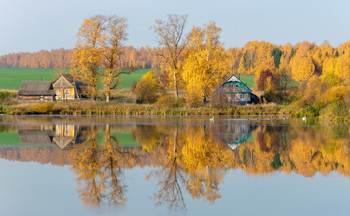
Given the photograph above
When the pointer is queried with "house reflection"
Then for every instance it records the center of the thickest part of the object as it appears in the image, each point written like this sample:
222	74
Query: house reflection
65	136
36	134
234	134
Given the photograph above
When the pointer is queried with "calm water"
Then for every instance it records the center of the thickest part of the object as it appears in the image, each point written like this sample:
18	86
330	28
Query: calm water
172	166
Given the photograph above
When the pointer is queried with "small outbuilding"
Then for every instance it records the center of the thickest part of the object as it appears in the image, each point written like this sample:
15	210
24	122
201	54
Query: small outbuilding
36	91
236	92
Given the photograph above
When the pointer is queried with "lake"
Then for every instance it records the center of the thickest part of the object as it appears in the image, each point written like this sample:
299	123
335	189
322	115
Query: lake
119	165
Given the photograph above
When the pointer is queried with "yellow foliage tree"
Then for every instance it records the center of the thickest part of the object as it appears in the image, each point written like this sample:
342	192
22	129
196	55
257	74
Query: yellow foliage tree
205	63
302	67
86	58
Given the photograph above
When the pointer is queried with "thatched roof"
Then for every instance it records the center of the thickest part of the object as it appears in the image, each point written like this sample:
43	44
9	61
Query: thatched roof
36	88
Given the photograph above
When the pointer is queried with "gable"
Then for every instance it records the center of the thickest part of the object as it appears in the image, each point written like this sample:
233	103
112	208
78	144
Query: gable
62	82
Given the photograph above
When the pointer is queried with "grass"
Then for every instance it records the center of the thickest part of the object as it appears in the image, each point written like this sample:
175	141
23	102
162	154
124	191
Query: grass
113	108
247	80
9	138
125	139
11	78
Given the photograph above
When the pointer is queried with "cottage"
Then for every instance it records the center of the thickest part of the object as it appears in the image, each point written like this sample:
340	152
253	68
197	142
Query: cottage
67	88
36	91
236	92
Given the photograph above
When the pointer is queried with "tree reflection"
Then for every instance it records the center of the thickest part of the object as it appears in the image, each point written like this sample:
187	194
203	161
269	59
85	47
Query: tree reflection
170	177
193	161
99	172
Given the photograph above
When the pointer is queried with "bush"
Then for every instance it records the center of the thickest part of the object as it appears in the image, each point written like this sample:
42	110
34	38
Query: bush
147	88
219	100
166	101
6	95
45	107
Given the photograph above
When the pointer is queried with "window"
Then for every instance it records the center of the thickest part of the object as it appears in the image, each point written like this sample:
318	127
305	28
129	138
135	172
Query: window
57	92
67	92
67	132
242	96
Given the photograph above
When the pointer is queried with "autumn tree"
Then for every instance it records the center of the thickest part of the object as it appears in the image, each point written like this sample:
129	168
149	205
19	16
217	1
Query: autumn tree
87	55
267	77
147	88
115	33
205	63
170	38
302	68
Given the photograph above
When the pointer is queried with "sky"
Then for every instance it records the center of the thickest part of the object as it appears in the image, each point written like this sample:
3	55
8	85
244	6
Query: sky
33	25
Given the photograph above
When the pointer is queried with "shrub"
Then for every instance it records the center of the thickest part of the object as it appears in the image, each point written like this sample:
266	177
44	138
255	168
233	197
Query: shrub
166	101
147	88
45	107
6	95
218	100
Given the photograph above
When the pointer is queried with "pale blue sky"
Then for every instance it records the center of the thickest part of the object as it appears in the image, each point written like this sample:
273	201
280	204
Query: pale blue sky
32	25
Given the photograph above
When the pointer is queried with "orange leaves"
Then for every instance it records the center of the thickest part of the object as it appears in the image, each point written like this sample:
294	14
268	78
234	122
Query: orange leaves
302	68
205	63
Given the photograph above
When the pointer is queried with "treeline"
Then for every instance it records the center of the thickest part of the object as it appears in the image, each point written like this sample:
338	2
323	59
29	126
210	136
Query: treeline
300	61
41	59
61	58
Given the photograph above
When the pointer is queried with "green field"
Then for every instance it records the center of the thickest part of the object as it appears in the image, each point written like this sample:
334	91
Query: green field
125	139
248	80
9	138
11	78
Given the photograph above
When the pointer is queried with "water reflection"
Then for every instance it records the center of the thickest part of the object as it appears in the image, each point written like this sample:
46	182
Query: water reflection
187	158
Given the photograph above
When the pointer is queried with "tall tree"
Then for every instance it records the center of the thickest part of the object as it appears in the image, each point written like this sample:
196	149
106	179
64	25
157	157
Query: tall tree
205	64
86	58
115	32
170	37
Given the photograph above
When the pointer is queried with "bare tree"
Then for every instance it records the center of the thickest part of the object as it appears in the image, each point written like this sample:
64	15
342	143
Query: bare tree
170	38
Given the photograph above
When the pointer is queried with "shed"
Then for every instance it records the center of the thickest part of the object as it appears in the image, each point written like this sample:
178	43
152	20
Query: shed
36	90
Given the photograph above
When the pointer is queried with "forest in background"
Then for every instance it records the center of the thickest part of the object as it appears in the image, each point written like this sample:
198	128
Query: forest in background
303	59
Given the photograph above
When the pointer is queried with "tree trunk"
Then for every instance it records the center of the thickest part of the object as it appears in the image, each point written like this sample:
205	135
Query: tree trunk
204	97
175	86
107	97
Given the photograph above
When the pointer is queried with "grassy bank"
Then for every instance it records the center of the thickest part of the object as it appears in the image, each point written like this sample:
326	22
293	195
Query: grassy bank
330	114
103	108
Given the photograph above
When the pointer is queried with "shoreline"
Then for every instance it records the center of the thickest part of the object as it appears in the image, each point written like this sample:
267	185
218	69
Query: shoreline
100	108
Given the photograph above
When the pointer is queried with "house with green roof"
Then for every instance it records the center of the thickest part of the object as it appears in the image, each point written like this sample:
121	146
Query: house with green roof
236	92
